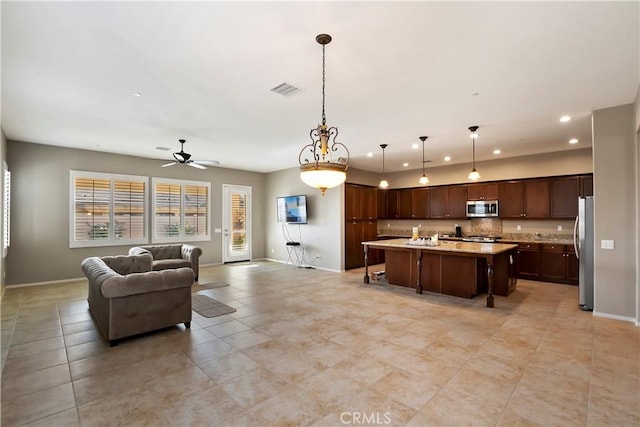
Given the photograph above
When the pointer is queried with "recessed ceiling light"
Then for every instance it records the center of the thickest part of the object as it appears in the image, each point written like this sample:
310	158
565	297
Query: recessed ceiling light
415	146
573	141
447	158
137	94
369	154
565	118
497	151
405	164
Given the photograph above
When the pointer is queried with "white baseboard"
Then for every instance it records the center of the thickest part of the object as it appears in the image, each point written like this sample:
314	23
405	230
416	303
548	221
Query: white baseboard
616	317
303	266
48	282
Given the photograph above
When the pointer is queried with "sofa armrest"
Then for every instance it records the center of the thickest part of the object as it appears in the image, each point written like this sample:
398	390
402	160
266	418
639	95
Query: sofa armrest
137	250
192	254
118	286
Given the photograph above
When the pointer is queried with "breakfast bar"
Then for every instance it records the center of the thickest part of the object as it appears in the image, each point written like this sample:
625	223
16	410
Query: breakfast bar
463	269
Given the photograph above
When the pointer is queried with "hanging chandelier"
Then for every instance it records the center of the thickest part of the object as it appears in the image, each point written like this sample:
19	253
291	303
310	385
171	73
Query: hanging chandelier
474	175
323	162
423	179
383	182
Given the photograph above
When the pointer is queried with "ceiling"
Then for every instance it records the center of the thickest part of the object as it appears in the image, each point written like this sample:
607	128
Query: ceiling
395	71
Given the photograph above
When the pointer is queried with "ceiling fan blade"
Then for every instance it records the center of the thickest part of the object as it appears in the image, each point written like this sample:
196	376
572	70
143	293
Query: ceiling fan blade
169	164
195	165
207	162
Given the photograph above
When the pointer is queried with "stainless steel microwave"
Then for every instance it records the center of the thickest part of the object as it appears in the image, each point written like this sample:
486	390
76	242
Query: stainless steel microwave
482	209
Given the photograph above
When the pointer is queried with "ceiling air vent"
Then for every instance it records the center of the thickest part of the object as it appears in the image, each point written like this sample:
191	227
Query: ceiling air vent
285	89
163	148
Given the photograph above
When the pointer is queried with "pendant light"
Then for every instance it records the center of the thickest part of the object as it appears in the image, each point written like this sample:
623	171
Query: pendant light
423	179
323	162
474	175
383	181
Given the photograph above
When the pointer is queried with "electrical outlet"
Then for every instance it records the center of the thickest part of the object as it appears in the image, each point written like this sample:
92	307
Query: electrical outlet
388	225
559	228
419	225
518	227
273	250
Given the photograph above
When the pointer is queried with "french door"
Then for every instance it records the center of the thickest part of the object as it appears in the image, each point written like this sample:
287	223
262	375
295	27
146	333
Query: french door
236	222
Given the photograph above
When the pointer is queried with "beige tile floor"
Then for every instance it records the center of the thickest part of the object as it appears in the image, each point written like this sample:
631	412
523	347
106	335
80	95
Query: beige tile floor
308	347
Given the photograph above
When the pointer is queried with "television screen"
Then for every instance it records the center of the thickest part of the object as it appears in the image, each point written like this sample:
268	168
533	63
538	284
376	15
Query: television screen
292	209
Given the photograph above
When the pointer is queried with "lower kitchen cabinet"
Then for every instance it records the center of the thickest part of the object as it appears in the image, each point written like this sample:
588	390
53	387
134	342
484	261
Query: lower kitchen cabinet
548	262
356	232
529	261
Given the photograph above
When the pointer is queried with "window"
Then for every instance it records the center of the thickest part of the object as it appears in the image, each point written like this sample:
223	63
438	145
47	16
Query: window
6	209
180	210
108	209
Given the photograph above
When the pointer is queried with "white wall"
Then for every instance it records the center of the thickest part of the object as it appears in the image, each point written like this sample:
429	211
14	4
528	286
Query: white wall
615	190
323	235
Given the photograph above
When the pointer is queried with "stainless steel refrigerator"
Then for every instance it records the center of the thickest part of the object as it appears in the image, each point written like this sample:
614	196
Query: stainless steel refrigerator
583	241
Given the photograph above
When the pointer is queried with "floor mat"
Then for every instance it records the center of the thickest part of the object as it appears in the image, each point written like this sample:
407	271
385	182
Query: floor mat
208	307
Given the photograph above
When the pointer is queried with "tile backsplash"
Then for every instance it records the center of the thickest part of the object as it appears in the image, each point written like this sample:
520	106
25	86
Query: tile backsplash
507	229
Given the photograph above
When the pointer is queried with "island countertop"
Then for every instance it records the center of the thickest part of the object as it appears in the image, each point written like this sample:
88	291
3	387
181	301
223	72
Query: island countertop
446	246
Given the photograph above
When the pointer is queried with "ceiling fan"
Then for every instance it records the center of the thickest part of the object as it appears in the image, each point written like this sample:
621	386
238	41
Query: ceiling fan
183	158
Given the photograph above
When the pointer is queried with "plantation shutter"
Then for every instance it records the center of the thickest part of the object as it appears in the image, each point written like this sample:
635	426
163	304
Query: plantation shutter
168	209
128	205
92	209
196	213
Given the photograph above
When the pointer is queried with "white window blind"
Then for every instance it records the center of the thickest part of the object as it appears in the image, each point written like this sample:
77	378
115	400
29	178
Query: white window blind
107	209
180	210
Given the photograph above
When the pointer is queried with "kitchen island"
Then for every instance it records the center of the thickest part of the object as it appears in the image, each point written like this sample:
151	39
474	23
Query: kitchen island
463	269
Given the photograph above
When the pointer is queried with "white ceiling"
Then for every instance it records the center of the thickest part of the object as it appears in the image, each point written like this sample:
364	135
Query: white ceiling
395	71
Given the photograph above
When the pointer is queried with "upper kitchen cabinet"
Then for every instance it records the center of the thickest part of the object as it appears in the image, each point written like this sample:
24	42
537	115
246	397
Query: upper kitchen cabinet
360	202
482	191
448	201
565	191
524	199
564	197
420	203
586	185
406	203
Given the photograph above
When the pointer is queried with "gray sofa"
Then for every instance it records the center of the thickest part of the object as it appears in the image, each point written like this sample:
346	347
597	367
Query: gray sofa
127	298
171	256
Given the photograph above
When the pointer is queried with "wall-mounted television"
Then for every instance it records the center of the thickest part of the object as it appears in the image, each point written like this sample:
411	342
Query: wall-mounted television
292	209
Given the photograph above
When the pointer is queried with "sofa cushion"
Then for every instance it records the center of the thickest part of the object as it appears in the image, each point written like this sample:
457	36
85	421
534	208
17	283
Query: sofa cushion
126	264
164	264
165	251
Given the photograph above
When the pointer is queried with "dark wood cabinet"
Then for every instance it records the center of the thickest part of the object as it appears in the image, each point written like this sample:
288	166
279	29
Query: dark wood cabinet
360	202
586	185
564	197
448	201
552	263
548	262
528	263
482	191
420	203
361	212
405	203
524	199
393	208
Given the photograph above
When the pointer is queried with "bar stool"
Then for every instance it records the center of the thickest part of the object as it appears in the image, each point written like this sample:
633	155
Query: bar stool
294	250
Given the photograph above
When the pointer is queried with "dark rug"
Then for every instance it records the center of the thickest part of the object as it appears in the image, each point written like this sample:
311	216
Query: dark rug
209	285
208	307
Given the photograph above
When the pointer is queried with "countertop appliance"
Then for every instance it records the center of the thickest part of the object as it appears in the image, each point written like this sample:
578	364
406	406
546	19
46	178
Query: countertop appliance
583	236
482	208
